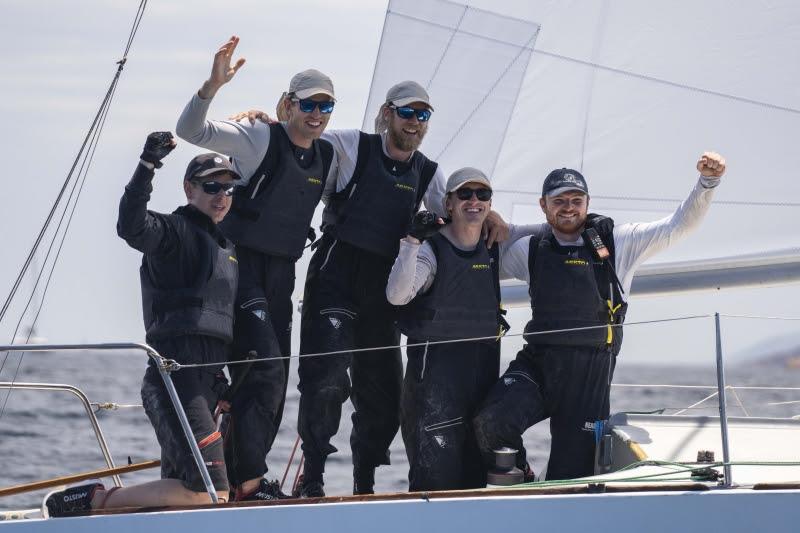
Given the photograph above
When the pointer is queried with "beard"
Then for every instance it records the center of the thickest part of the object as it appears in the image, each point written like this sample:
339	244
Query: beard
571	227
404	141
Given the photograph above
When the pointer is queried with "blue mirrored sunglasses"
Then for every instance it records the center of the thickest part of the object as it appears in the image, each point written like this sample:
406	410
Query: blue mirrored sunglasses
406	112
307	105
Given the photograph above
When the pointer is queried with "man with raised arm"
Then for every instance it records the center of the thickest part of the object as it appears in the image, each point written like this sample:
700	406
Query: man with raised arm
381	182
285	167
188	276
579	277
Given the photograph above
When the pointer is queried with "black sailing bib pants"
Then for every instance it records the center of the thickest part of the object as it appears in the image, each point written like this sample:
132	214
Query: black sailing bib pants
565	377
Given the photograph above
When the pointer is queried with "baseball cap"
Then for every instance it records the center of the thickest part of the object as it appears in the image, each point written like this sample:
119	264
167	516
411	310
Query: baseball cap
463	176
408	92
310	82
209	164
562	180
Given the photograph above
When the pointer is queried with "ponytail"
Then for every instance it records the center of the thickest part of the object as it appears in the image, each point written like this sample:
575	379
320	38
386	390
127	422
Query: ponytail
280	110
381	124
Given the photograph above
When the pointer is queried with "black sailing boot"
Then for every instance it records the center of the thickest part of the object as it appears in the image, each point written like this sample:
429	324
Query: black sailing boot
363	480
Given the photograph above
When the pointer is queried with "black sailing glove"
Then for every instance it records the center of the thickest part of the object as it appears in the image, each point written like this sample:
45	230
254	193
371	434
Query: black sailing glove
604	225
157	146
425	225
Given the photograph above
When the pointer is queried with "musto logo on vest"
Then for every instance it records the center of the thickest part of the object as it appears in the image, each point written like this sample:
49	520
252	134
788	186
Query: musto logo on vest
480	266
575	262
313	180
404	187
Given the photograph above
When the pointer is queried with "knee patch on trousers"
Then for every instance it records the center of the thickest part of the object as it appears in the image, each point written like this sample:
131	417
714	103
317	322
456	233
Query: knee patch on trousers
214	459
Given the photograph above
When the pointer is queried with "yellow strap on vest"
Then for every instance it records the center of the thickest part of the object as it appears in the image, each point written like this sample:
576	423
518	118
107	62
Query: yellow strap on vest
611	311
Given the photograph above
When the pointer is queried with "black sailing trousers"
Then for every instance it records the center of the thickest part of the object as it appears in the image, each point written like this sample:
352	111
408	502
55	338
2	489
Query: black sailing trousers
263	325
570	385
198	390
345	308
444	386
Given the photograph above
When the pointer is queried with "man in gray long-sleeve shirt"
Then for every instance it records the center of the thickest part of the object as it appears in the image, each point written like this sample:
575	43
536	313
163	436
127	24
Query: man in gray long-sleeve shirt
285	167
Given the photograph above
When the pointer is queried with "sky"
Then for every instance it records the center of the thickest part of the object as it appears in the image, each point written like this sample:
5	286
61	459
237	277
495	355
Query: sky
58	58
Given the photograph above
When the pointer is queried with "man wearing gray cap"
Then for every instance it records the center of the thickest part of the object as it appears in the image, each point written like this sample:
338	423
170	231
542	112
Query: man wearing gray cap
448	284
579	271
285	167
382	180
188	277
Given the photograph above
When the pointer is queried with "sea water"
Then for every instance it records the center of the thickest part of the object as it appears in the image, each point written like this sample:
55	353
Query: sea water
47	434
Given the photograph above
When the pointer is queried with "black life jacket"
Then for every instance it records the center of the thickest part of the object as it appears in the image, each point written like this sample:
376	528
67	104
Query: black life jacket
464	299
374	210
205	308
272	214
571	288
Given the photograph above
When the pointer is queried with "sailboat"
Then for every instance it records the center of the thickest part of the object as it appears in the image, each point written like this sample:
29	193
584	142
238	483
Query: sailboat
628	93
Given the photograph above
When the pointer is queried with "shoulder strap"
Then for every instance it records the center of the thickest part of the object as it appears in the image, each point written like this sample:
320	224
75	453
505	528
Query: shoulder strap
533	248
270	160
425	176
326	151
607	281
494	254
364	141
339	199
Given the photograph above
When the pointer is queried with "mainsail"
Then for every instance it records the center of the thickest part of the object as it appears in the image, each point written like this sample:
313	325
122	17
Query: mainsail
628	92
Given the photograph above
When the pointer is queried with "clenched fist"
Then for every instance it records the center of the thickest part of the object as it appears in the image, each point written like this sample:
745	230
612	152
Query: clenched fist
158	145
711	165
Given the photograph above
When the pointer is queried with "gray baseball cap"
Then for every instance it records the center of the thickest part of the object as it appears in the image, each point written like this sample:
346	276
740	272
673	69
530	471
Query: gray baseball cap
310	82
408	92
461	177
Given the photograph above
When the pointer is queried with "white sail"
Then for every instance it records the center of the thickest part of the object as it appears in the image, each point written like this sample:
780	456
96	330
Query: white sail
630	93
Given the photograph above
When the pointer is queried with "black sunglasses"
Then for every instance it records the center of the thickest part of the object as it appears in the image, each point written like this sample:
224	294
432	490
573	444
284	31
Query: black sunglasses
307	105
406	112
483	194
215	187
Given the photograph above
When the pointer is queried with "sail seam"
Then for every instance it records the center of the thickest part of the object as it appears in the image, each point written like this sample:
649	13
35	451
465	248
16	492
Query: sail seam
670	83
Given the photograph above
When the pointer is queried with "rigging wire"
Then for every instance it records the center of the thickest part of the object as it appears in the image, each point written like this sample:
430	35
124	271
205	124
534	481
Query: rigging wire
78	184
97	118
177	366
91	140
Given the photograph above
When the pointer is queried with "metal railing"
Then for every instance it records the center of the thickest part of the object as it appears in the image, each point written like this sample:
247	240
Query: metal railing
165	366
59	387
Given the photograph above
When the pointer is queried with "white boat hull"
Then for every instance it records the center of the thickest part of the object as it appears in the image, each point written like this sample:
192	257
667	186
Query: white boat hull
730	510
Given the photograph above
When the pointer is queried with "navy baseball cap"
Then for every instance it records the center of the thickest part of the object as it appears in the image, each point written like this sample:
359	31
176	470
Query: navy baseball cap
562	180
209	164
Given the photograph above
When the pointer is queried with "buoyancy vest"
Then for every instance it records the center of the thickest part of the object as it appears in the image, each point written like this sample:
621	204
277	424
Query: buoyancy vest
374	210
272	214
571	288
205	308
464	299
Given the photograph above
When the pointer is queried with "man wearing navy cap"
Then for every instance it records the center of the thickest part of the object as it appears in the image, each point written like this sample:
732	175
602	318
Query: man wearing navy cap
188	276
579	268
